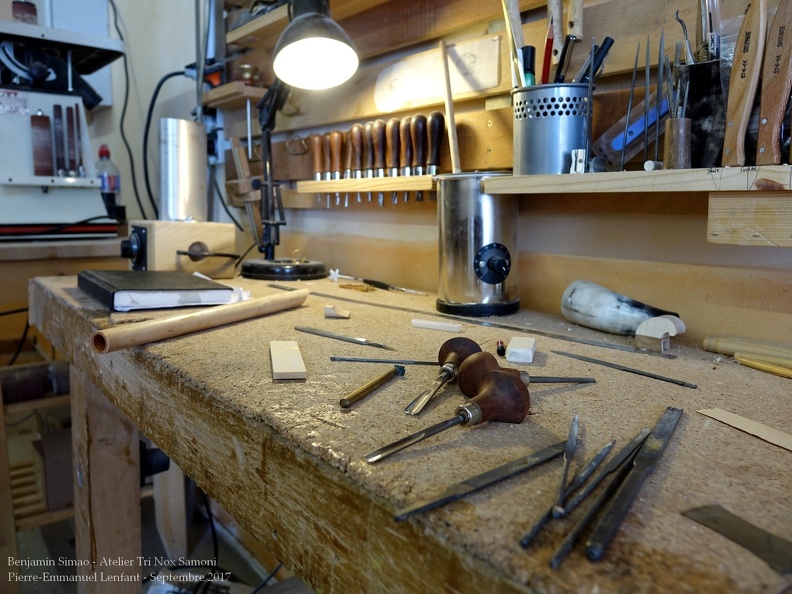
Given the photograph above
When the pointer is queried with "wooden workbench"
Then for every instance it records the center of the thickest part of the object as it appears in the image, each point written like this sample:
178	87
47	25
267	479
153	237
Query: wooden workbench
287	461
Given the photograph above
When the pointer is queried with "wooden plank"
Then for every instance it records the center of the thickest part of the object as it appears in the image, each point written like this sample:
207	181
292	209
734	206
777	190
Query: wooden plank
170	511
763	219
37	404
107	488
287	362
770	435
42	519
716	179
8	539
233	95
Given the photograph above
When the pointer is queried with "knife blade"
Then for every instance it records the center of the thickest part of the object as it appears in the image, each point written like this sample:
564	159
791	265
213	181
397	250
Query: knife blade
743	81
643	465
776	85
459	490
328	334
772	549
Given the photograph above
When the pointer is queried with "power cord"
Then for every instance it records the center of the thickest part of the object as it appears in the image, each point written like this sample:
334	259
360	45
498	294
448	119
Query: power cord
20	345
123	113
263	583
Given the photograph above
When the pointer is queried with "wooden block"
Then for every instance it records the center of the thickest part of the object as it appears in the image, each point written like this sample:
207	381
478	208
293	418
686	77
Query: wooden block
659	344
758	218
287	362
521	350
435	325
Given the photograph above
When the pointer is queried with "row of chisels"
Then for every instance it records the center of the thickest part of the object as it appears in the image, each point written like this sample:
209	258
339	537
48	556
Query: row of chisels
400	147
57	142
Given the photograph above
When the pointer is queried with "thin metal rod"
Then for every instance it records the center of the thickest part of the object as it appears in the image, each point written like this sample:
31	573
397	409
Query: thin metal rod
647	83
628	369
392	361
406	442
417	405
362	391
659	94
569	452
629	107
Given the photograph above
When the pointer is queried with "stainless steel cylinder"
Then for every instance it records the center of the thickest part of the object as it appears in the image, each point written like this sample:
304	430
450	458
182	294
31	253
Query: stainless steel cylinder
183	170
478	247
550	121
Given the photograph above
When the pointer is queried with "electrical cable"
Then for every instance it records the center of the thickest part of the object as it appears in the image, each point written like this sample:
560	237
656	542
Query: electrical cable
222	200
11	312
146	131
247	251
20	345
267	579
123	113
215	547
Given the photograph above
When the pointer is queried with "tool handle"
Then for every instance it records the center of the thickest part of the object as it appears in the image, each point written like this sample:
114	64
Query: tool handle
436	125
336	141
326	153
474	367
379	144
393	145
575	19
356	142
501	398
453	142
316	151
418	133
347	152
405	142
455	350
368	145
743	82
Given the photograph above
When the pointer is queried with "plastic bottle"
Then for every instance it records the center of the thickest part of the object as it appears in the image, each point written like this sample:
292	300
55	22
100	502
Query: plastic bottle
110	180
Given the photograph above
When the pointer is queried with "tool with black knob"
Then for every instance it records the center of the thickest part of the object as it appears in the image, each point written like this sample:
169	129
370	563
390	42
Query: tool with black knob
405	143
368	152
378	133
499	397
356	147
452	353
392	152
336	142
419	140
435	125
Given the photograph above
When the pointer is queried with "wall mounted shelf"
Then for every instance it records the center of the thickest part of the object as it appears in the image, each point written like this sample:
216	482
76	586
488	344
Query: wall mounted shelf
232	95
413	183
716	179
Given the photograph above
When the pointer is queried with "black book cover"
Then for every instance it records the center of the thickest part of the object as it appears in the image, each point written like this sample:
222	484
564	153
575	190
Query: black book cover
124	290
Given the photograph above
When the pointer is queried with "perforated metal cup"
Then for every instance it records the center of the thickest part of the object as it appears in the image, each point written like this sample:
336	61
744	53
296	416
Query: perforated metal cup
550	121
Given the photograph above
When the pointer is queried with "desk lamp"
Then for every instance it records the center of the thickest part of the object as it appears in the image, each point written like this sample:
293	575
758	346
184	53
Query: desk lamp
313	53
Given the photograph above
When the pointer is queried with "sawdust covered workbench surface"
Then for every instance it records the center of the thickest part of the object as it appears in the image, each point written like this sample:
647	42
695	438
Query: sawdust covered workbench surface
288	462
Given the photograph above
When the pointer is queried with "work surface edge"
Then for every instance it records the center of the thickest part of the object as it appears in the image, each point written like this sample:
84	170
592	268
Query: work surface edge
287	462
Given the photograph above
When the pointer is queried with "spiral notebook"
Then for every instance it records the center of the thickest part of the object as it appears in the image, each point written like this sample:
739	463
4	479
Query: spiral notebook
127	290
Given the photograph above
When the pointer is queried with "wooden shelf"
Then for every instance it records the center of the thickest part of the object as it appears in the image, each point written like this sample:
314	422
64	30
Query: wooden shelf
232	95
262	32
36	404
716	179
413	183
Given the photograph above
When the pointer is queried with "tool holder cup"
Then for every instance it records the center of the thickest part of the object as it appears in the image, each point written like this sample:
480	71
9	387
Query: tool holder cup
550	121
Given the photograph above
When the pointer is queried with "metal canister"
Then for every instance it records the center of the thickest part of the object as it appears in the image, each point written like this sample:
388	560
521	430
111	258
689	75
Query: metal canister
478	247
183	184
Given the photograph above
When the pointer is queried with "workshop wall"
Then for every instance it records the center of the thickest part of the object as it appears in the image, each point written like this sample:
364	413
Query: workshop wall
651	247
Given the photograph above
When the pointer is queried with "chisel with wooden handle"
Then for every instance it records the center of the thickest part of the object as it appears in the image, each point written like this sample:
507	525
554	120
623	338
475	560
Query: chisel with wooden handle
380	143
336	146
327	163
776	85
405	157
356	142
318	160
743	81
392	152
368	152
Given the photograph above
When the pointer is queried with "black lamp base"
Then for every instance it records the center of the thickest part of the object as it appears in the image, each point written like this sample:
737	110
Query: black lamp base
284	269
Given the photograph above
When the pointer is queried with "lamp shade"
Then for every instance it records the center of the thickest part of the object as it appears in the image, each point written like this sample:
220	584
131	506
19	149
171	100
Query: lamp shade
314	52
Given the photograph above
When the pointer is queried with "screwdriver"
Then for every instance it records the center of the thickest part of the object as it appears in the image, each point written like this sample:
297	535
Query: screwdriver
379	154
347	152
481	362
392	152
406	150
368	151
328	170
356	142
336	139
418	133
435	124
500	397
452	353
316	149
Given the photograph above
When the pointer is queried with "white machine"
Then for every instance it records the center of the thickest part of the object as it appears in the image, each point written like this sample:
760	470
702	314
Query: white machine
48	183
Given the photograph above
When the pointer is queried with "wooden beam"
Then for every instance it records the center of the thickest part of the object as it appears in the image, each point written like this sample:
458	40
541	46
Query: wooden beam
106	460
8	540
171	511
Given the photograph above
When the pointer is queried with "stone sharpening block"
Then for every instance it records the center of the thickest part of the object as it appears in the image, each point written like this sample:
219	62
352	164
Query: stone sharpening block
521	350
